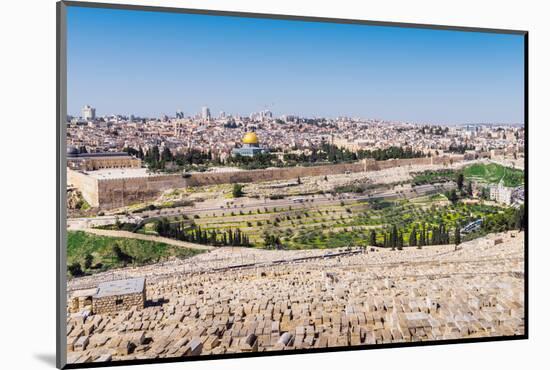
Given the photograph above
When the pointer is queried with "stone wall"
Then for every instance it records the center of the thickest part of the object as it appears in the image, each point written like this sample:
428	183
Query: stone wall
87	185
112	193
113	304
272	174
121	192
115	193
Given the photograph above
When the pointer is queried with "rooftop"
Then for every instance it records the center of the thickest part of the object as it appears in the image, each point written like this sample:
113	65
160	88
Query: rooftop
118	173
73	152
120	287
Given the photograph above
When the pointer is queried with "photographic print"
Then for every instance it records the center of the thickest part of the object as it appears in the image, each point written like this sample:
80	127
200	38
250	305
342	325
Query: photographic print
241	184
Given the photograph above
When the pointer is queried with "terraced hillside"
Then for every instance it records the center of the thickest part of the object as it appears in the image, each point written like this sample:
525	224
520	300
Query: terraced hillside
304	226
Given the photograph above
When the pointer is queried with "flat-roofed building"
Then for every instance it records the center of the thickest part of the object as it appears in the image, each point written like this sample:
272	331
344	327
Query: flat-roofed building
96	161
119	295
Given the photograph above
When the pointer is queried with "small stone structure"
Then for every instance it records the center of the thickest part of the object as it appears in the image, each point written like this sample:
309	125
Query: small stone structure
119	295
81	300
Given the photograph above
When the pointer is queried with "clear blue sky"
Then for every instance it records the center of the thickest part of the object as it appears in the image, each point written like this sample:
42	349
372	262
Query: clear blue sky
151	63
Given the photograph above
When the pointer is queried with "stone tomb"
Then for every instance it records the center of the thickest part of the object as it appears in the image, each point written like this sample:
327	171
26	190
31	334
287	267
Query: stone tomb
119	295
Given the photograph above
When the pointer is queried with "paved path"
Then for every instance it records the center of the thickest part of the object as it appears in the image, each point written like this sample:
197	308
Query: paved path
153	238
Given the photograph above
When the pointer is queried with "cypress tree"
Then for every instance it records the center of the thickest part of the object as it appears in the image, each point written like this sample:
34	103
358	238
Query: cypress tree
412	237
437	233
373	237
230	234
237	239
394	236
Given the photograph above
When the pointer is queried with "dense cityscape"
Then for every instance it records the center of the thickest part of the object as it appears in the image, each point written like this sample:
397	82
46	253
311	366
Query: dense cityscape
218	136
167	214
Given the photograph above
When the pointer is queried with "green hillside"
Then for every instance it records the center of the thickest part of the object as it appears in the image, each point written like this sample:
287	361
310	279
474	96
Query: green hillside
492	173
109	252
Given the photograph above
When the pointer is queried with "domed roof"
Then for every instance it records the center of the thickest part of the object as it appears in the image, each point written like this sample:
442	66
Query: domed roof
250	138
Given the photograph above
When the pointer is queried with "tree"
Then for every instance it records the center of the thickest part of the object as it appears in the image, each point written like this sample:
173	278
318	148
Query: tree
452	196
88	260
230	241
167	155
519	218
153	155
270	241
435	237
373	237
457	234
394	237
121	256
445	234
118	224
412	237
237	190
469	189
75	269
460	181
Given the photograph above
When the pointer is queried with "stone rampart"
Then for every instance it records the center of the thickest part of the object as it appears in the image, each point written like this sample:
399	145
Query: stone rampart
112	193
87	185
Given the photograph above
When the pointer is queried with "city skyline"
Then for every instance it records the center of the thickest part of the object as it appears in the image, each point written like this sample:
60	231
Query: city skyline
191	115
150	64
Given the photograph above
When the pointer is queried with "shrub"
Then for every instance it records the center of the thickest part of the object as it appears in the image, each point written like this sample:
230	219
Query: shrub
75	269
237	191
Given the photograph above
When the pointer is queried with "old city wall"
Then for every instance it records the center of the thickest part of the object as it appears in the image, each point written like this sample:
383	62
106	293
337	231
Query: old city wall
87	185
120	192
201	179
391	163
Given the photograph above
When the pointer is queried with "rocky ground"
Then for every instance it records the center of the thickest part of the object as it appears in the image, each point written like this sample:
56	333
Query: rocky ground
241	300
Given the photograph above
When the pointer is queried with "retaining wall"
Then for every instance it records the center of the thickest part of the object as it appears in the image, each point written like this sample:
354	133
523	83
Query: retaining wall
112	193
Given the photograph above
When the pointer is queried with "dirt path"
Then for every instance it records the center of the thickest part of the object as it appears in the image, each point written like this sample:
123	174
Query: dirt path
159	239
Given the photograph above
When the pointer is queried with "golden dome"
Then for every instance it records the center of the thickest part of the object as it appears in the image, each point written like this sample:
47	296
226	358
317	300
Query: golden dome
250	138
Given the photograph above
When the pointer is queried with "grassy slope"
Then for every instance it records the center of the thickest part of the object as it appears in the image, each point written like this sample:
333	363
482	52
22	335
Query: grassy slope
100	247
492	173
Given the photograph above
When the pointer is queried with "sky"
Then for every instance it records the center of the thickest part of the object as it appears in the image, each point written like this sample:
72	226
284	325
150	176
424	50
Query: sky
152	63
